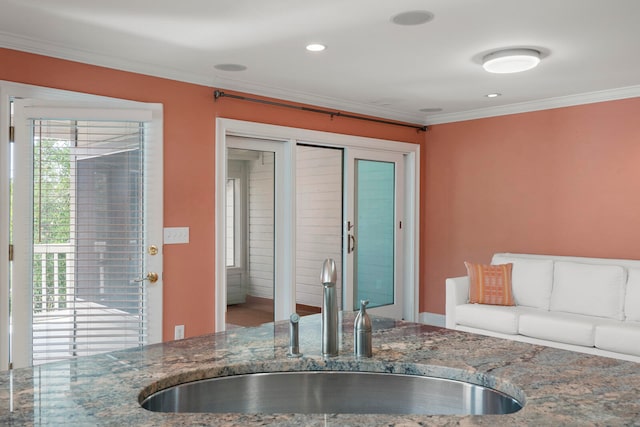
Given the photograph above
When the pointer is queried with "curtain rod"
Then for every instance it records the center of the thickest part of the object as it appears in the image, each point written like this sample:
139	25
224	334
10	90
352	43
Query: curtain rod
219	94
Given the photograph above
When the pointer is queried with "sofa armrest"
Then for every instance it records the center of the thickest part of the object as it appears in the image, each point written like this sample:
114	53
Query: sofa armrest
457	293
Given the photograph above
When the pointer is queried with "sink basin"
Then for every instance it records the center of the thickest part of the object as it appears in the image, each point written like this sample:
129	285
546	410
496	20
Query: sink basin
346	392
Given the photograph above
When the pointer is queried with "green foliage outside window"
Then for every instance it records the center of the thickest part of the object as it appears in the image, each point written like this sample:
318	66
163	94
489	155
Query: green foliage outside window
51	219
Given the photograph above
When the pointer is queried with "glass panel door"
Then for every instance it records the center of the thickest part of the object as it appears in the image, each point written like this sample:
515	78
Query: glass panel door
374	233
374	191
88	250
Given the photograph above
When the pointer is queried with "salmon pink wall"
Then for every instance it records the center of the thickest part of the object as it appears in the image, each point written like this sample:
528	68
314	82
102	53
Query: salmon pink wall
562	181
189	138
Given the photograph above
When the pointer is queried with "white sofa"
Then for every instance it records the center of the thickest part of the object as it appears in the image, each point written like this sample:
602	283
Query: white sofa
591	305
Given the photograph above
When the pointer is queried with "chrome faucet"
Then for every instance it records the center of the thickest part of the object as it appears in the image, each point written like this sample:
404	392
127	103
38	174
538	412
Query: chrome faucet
328	277
294	343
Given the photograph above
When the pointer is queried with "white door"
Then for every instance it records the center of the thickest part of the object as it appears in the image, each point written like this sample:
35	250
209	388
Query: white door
87	231
374	216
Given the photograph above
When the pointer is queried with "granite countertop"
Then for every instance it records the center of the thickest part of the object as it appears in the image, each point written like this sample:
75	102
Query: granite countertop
558	387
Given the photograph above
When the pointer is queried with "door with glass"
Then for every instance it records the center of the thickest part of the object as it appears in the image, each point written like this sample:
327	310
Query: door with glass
373	229
87	229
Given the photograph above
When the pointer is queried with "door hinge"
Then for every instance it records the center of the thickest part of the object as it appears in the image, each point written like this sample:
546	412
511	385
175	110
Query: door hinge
10	252
12	133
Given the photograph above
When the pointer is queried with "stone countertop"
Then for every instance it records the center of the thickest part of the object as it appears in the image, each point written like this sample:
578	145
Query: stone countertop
558	387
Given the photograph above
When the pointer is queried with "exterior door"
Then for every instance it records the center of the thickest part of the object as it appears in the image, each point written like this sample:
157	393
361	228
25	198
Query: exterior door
87	232
373	229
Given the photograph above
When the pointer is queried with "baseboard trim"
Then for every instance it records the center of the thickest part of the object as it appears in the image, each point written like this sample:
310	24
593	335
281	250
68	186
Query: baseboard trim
432	319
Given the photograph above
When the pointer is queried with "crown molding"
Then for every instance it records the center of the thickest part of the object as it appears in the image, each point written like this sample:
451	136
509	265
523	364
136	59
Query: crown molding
30	45
538	105
38	47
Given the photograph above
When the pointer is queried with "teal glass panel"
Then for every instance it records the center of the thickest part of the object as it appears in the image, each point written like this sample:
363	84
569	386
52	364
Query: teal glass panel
375	233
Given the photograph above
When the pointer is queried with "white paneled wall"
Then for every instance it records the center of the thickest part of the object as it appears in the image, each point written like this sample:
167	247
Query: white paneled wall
260	223
319	219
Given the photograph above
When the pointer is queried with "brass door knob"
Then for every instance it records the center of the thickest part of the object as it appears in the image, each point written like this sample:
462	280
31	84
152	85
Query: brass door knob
151	277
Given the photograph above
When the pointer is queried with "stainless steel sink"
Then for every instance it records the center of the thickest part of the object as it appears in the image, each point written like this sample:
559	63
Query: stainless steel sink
345	392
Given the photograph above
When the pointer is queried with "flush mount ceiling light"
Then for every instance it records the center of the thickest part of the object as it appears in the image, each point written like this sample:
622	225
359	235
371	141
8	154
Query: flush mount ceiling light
511	60
316	47
493	95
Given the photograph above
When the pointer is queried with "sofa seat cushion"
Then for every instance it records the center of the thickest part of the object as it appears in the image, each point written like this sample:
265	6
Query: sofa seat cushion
623	337
560	327
532	280
590	289
496	318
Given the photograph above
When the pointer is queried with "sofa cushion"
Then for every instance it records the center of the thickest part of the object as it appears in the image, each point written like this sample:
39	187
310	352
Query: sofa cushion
632	296
560	327
490	284
496	318
531	280
591	289
621	338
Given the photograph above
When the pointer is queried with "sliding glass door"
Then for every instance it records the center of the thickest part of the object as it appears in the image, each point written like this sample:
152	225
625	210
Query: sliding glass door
374	201
374	184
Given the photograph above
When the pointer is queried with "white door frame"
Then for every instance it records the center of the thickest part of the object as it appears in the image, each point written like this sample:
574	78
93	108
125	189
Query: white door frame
394	310
285	236
114	109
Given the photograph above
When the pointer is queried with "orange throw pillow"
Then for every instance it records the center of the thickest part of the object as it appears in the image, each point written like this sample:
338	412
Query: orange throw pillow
490	284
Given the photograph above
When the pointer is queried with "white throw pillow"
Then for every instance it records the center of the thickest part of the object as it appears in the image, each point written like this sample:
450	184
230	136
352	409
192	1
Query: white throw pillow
531	280
590	289
632	297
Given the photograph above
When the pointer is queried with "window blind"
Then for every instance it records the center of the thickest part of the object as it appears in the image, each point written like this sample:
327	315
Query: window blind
88	230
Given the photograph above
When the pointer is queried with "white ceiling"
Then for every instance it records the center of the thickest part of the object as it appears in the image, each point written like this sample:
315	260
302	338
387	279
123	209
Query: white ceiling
591	49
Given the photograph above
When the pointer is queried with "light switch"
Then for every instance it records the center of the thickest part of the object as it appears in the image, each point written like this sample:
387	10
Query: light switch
174	235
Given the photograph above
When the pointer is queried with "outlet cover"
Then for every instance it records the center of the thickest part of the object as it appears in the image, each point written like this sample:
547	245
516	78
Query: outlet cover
176	235
178	333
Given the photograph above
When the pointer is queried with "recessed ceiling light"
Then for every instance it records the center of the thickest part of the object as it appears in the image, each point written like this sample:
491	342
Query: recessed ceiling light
230	67
493	95
414	17
511	60
316	47
430	110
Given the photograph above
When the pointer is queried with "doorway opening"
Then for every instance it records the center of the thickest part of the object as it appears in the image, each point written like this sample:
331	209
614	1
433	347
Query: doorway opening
249	230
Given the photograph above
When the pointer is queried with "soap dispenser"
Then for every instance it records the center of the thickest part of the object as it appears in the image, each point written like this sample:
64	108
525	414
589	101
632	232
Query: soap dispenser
362	332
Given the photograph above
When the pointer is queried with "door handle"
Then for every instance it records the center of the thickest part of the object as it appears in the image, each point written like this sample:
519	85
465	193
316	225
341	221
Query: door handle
351	243
151	277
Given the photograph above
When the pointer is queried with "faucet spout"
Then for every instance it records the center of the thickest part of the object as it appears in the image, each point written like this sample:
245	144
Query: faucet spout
328	273
328	277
